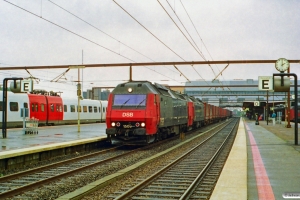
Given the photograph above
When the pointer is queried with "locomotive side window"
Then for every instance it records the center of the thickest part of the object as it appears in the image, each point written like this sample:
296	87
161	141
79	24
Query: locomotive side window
32	107
72	108
42	107
84	108
52	108
95	109
36	108
58	108
90	109
13	106
129	100
65	108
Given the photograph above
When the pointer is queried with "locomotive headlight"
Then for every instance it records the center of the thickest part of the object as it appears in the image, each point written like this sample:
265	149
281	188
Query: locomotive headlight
143	124
113	124
118	124
129	90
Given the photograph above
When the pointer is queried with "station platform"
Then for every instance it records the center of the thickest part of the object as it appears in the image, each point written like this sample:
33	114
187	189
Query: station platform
263	164
49	137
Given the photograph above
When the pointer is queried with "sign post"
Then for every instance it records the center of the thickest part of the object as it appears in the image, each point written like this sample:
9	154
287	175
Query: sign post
266	83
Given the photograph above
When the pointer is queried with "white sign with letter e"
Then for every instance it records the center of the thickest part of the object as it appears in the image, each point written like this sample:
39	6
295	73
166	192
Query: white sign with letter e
265	82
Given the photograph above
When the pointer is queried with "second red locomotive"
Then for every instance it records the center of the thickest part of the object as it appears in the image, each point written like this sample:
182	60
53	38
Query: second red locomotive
141	112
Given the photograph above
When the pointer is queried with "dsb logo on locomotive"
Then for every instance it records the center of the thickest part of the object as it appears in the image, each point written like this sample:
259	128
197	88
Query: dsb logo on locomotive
127	114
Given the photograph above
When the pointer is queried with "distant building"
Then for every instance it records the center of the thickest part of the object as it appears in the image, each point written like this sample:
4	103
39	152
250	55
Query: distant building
97	93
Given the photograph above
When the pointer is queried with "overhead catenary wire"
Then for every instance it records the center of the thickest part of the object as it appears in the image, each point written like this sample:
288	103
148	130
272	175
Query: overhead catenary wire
82	37
69	31
198	51
110	36
100	30
148	30
198	35
186	30
203	44
180	29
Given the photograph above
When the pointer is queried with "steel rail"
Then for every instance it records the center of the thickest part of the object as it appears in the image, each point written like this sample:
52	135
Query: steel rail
36	184
150	179
189	191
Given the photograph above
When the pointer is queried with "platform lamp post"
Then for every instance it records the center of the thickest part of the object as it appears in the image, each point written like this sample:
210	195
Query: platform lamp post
78	93
283	85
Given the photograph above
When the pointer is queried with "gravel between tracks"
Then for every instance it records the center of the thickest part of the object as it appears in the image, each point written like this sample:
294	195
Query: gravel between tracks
141	173
57	189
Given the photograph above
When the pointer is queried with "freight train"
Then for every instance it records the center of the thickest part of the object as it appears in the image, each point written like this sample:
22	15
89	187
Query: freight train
140	112
51	110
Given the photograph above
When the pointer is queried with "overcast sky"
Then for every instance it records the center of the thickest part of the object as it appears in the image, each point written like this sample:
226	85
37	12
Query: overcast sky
42	32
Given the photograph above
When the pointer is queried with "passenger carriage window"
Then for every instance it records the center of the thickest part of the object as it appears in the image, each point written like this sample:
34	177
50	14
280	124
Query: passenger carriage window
90	109
13	106
84	108
103	109
52	108
43	107
65	108
72	108
95	109
99	110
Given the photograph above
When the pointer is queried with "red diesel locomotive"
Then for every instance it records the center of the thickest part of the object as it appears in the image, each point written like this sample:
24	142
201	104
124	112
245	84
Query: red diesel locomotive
140	112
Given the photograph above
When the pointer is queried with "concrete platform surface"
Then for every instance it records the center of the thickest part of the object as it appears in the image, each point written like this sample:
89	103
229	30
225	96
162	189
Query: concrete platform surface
280	158
16	139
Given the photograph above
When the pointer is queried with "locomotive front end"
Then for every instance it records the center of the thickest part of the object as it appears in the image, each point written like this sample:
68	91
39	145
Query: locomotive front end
131	116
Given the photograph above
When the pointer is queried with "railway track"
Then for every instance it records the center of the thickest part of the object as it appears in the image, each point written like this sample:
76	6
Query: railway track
191	176
73	173
17	183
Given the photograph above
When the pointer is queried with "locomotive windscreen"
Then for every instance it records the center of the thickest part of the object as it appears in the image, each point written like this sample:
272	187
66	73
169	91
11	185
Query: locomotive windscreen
129	100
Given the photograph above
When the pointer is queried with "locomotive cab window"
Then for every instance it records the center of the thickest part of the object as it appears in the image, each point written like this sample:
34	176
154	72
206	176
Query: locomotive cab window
124	100
52	108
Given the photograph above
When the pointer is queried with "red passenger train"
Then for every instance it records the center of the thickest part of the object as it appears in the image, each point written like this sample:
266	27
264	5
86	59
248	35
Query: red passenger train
140	112
52	110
